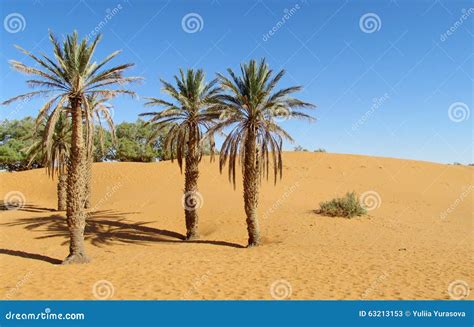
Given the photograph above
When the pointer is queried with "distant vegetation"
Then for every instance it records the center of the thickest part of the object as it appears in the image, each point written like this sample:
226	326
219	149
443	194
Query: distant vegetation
460	164
16	136
347	206
15	139
299	148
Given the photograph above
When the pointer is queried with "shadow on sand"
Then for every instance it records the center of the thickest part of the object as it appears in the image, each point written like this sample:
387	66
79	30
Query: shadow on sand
4	206
28	255
103	228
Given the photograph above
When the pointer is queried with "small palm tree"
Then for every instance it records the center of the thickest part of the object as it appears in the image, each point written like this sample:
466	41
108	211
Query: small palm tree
98	111
53	148
66	79
251	108
185	120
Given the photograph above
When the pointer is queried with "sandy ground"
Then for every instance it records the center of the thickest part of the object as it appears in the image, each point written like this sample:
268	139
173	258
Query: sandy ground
416	243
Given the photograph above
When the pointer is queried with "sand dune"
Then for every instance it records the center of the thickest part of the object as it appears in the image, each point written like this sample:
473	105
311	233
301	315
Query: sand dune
416	241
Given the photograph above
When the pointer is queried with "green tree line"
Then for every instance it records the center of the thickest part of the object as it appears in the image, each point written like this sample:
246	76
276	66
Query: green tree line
131	144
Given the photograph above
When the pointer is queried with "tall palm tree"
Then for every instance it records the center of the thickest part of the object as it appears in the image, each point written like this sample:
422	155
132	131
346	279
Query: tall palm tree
53	148
68	78
251	108
185	119
98	111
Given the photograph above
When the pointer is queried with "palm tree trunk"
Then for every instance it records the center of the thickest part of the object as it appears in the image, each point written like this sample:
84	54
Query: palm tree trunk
251	180
62	190
76	219
191	199
88	177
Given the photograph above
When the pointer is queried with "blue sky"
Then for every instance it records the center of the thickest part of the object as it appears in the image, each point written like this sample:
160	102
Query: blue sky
387	78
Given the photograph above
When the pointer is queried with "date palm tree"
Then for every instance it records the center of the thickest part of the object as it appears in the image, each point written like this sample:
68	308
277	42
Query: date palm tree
251	109
52	148
185	119
66	79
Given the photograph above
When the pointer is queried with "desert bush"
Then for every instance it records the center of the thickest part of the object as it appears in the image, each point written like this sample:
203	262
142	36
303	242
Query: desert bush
347	206
299	148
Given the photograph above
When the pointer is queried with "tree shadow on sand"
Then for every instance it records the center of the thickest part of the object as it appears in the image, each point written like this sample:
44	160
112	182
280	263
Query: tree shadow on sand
5	206
108	227
29	255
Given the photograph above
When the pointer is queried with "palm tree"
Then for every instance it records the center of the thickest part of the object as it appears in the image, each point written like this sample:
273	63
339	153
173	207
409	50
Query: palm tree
67	79
53	149
251	108
98	110
185	120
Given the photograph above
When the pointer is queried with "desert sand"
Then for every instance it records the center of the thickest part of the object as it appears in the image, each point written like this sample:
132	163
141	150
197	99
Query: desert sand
415	242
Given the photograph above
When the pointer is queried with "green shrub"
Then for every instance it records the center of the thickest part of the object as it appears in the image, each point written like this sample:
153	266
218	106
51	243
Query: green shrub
347	206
